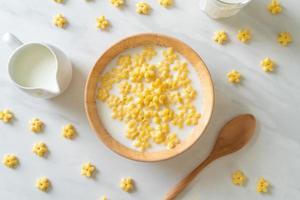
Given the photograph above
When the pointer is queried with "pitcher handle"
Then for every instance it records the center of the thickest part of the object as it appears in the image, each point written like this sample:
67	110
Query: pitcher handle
12	41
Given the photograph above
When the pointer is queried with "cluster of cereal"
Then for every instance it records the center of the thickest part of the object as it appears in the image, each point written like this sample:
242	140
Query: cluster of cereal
148	94
239	178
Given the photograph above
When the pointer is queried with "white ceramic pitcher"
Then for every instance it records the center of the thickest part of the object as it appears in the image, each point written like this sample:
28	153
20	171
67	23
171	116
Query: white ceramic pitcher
41	70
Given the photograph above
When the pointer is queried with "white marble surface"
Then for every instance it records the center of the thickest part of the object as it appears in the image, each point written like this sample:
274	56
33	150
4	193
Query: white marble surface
273	98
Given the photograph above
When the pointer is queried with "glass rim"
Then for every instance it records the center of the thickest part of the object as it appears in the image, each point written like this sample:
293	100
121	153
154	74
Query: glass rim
229	3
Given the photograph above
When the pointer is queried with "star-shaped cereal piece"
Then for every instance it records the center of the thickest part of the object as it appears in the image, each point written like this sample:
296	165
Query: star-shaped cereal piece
262	185
102	23
238	178
10	161
59	1
43	184
244	35
60	21
36	125
284	38
274	7
127	184
68	131
40	149
267	64
6	116
88	170
220	37
166	3
143	8
234	76
117	3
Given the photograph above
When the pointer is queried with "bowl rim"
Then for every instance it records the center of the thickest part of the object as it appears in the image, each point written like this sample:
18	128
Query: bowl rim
91	107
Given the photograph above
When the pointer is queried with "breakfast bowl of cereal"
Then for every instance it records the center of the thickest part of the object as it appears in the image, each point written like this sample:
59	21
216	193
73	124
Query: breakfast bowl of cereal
149	97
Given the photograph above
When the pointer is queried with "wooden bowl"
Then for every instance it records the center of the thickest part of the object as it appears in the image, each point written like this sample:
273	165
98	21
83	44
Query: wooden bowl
142	40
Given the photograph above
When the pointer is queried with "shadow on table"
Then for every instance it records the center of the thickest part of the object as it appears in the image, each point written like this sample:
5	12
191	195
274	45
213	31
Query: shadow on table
72	100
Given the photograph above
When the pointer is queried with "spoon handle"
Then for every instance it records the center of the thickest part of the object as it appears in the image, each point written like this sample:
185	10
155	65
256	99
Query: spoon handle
180	186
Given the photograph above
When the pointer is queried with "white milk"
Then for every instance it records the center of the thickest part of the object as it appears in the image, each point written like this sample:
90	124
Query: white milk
222	8
117	129
34	66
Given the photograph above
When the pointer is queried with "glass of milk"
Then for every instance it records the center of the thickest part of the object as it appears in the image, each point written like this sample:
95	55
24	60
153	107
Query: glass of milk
222	8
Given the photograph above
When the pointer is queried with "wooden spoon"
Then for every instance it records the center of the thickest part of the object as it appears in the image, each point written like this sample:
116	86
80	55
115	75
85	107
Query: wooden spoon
232	137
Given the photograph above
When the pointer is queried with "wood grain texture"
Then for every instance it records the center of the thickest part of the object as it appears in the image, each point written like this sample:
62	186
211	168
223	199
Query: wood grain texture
232	137
142	40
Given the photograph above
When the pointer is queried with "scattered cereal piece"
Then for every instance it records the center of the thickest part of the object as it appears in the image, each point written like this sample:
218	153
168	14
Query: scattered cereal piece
143	8
59	1
6	116
104	197
244	35
60	21
284	38
234	76
238	178
274	7
40	149
262	185
10	160
267	64
166	3
68	131
88	170
43	184
102	23
36	125
220	37
117	3
127	184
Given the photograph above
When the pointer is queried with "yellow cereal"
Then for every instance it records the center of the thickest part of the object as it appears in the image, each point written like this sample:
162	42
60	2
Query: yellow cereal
166	3
59	1
143	8
238	178
127	184
244	35
60	21
104	197
10	161
124	61
148	52
220	37
43	184
142	143
267	65
102	23
68	131
36	125
88	170
147	93
170	56
274	7
172	141
40	149
262	185
6	116
284	38
234	76
117	3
